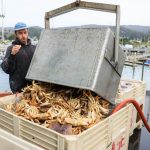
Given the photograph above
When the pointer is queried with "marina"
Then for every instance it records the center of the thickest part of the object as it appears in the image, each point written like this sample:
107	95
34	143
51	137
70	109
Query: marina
134	59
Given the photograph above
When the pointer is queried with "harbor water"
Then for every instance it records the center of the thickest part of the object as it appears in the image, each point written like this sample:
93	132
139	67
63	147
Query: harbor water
4	81
135	73
140	139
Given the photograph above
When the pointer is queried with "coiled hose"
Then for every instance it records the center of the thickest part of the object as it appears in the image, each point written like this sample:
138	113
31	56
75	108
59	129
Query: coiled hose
136	105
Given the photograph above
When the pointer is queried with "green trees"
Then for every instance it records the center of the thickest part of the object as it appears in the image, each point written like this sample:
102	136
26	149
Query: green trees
124	41
11	37
35	32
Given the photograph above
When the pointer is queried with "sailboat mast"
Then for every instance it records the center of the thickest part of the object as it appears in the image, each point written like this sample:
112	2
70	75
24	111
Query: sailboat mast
2	17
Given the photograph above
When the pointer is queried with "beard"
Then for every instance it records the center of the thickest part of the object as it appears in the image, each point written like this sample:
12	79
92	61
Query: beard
24	40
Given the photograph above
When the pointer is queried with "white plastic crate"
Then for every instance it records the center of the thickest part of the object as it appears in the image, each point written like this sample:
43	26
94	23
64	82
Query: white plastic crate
125	90
11	142
135	122
136	90
101	136
120	139
139	90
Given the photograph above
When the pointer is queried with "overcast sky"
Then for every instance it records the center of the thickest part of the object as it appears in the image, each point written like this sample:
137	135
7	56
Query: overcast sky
133	12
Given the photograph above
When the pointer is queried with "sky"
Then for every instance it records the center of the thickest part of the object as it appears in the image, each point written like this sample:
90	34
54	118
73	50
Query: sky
133	12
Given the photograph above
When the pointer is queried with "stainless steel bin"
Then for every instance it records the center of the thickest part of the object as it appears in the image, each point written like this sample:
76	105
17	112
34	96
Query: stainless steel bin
79	57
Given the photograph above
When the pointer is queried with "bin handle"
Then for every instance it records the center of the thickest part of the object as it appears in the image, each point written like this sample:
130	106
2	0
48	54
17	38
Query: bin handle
92	6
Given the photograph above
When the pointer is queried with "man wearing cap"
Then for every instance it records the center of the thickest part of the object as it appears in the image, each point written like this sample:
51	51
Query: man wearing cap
18	57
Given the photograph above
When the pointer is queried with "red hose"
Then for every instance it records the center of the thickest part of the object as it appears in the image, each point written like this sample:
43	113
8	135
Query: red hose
2	94
136	105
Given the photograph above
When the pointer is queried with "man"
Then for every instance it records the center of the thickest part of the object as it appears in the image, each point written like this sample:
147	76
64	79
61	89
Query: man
18	57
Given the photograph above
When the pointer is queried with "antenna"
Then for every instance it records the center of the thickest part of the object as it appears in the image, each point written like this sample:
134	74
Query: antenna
2	16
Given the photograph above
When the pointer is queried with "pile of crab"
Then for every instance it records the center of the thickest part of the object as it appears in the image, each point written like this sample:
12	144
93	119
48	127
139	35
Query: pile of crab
65	110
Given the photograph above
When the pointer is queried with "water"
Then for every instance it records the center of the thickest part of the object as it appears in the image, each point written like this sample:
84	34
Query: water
4	81
136	73
140	139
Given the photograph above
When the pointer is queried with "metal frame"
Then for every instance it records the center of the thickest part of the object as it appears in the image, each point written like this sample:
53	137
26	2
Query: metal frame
92	6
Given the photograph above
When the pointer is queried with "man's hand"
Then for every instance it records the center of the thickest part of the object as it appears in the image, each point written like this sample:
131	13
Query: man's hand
15	49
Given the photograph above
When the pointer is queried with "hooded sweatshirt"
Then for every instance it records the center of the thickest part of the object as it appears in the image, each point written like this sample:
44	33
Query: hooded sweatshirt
17	65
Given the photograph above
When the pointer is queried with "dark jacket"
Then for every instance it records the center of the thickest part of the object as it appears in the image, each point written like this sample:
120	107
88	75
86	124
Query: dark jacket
17	65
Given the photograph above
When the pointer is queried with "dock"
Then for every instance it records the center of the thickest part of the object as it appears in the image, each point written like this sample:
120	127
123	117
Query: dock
138	57
130	64
134	60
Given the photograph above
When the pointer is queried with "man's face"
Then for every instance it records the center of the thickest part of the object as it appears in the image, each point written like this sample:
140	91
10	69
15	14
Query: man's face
22	35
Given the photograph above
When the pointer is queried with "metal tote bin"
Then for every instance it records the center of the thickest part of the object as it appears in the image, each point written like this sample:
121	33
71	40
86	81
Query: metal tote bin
86	58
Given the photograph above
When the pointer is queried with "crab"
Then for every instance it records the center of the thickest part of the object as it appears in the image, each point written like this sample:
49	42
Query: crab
31	112
21	106
74	103
65	110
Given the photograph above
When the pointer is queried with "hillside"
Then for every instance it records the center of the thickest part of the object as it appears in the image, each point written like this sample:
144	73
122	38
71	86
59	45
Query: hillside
144	29
127	31
34	31
130	32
